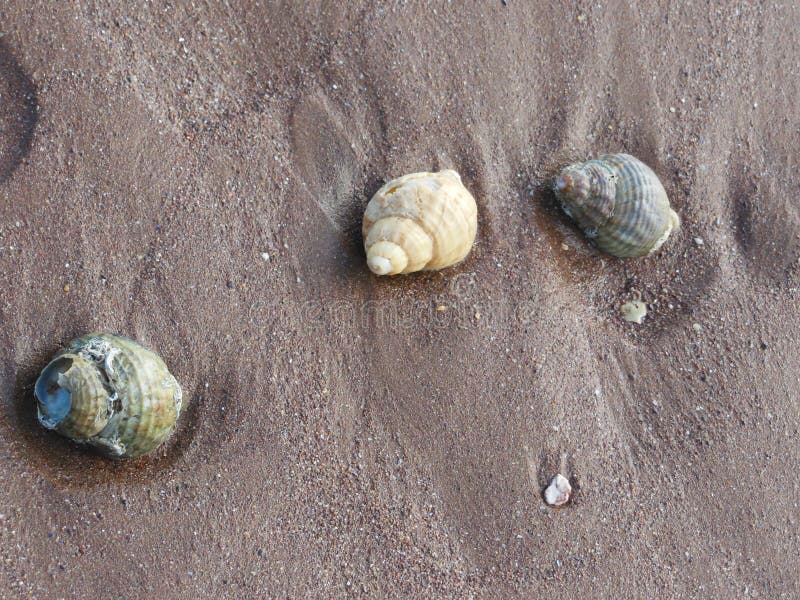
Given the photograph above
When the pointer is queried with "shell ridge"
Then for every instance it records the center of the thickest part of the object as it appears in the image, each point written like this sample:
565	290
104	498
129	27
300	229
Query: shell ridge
424	226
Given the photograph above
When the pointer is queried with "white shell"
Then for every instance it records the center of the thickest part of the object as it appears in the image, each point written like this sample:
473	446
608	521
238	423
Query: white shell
558	492
421	221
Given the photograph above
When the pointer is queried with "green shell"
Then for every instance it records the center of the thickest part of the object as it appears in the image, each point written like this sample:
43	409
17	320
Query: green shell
618	202
111	393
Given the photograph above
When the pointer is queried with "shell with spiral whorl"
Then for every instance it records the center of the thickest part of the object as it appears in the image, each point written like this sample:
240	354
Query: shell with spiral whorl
419	222
111	393
619	202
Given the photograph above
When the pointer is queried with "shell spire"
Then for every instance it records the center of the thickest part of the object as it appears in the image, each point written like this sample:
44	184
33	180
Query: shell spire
619	202
421	221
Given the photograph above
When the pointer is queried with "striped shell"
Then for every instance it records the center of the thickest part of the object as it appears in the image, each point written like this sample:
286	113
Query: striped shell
111	393
421	221
619	202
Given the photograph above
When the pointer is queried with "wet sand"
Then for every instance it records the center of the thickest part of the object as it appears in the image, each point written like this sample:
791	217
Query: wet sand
343	437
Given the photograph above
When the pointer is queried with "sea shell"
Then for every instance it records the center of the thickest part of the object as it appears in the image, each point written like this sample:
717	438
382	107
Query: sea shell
558	492
421	221
109	392
619	202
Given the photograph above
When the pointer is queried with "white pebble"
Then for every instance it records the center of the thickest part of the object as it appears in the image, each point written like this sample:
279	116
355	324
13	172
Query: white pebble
634	311
557	493
265	256
698	241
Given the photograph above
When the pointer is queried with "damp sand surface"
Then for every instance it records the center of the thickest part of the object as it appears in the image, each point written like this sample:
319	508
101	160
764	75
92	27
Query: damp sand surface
351	436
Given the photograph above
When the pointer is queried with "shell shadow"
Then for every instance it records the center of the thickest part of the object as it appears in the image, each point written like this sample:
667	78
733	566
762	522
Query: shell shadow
579	262
329	158
351	237
67	464
18	113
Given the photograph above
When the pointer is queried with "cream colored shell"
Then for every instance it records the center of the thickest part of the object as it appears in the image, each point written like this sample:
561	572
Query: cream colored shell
421	221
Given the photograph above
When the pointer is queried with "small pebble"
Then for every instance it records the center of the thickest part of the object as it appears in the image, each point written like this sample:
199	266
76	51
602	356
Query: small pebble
557	493
697	327
634	311
698	241
265	256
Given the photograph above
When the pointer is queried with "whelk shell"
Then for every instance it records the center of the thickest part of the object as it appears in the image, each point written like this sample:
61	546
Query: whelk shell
111	393
421	221
619	202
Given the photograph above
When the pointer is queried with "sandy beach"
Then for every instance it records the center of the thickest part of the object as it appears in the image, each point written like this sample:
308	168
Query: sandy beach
193	175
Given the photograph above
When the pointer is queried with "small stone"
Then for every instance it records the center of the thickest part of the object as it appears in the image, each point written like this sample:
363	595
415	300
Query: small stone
697	327
564	247
634	311
557	493
699	241
265	256
441	308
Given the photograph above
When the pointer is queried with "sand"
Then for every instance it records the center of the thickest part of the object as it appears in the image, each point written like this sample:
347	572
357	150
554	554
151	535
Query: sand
343	437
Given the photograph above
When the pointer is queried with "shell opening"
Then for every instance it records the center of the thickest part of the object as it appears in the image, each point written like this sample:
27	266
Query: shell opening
53	397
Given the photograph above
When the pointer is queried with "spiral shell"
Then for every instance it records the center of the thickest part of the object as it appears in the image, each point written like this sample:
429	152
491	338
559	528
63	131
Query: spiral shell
421	221
111	393
619	202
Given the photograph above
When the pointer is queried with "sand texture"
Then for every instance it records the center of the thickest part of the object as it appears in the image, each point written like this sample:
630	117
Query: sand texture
344	435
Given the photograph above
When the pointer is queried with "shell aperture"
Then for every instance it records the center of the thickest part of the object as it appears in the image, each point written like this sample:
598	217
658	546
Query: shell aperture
619	202
54	398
